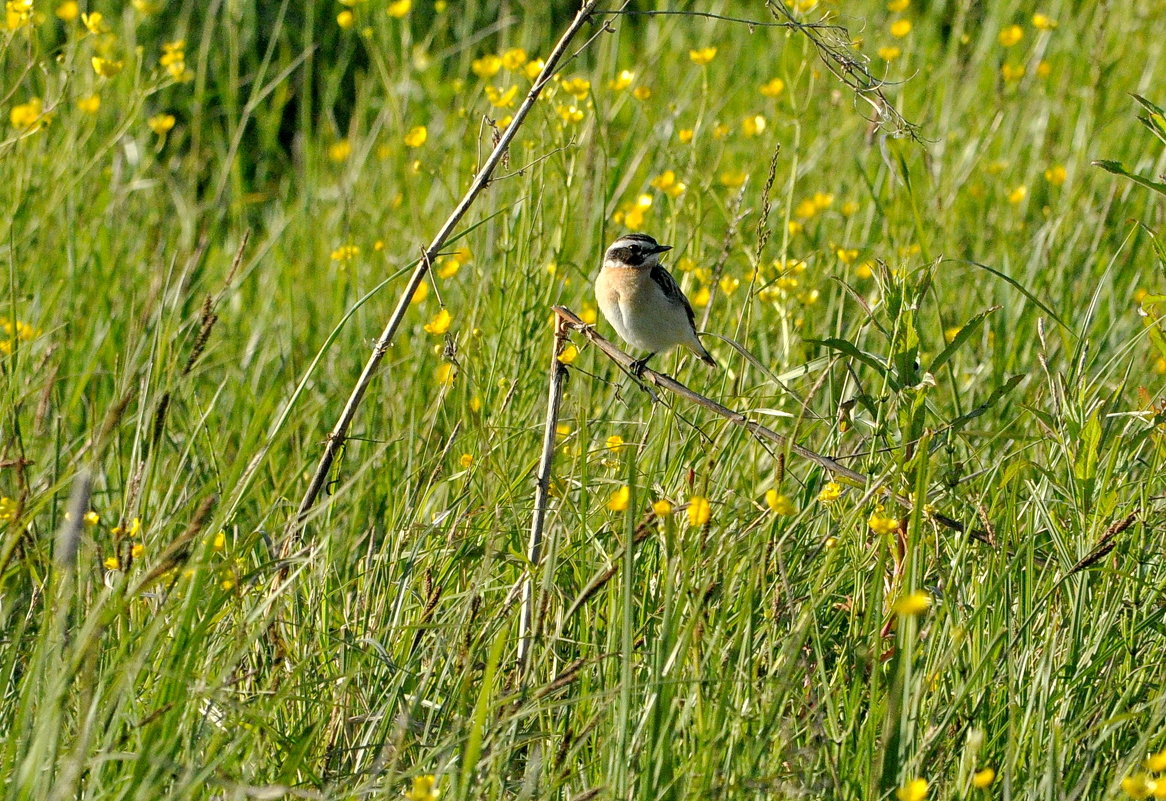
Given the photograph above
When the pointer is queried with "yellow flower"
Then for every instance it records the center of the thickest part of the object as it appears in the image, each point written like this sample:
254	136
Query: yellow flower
532	68
134	527
753	125
161	123
1043	22
111	563
106	67
914	790
444	374
729	284
1156	763
89	104
685	135
1012	72
666	182
440	6
569	114
399	8
91	518
577	88
621	81
662	508
7	508
850	208
733	178
897	6
424	789
501	98
147	7
642	93
914	603
340	150
416	136
220	541
889	53
1056	175
900	28
983	778
773	87
703	55
795	227
805	209
420	294
634	217
822	200
1017	195
68	11
950	334
487	66
881	523
1043	69
94	22
1139	785
514	58
569	354
831	492
345	253
846	255
721	130
698	510
440	323
28	116
779	504
701	298
619	499
138	550
346	19
1010	35
448	268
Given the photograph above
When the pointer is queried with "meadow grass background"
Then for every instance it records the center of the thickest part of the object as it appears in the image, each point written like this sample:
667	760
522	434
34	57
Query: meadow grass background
755	642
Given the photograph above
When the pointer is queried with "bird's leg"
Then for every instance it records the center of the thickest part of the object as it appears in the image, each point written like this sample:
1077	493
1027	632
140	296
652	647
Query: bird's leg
637	367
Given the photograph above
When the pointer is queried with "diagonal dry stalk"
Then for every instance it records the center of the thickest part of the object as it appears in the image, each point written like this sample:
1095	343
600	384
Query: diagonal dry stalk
339	432
756	429
528	619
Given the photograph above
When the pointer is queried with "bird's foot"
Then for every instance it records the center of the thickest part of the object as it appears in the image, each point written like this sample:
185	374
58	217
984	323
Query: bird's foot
639	365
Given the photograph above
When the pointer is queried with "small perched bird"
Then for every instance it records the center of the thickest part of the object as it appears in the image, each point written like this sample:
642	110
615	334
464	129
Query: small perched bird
642	300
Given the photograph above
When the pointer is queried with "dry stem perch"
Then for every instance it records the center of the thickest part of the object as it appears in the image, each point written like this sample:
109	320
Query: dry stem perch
761	432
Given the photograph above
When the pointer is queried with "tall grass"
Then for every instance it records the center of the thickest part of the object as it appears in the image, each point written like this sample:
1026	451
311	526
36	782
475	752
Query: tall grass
969	317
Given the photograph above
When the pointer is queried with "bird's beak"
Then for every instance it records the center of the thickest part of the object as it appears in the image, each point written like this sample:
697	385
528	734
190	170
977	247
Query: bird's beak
662	248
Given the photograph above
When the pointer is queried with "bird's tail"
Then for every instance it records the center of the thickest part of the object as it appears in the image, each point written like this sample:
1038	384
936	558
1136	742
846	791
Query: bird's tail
703	354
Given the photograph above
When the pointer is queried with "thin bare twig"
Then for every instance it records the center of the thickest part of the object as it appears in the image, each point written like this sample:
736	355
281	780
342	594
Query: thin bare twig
761	432
528	619
339	433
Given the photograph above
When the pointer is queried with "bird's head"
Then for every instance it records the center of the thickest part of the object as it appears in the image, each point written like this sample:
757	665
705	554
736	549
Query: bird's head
634	251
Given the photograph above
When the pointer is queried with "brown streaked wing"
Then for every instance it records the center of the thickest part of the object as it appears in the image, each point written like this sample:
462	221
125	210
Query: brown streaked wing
672	291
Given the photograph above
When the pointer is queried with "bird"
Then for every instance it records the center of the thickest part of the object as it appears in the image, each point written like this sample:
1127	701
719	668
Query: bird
643	302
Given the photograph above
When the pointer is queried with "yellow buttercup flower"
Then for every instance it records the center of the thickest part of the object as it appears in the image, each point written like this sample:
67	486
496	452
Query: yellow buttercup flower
881	523
662	508
569	114
619	499
914	790
345	253
89	104
577	88
1056	175
346	19
897	6
569	354
29	116
91	518
701	297
111	563
94	22
831	492
7	508
773	87
340	150
615	443
487	66
161	123
733	178
915	603
106	67
440	323
699	510
753	125
424	789
532	68
642	93
444	374
68	11
703	55
889	54
1043	22
983	778
420	294
1140	785
399	8
621	81
501	98
465	460
900	28
685	135
780	504
1010	35
1012	72
1017	195
417	136
514	58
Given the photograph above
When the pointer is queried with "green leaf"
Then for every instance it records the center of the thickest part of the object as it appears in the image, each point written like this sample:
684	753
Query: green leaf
1117	168
851	350
960	338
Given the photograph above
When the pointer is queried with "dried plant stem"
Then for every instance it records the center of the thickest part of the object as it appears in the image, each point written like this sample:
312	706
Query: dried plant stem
756	429
339	432
528	618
